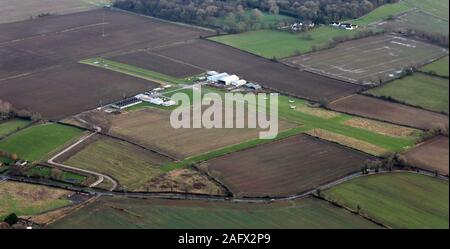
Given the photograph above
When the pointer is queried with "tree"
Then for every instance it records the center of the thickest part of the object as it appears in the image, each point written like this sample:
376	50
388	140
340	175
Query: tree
57	174
256	18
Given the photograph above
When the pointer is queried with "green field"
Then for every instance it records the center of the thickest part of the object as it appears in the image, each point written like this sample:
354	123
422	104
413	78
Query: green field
128	164
398	200
435	7
282	44
382	13
9	126
36	142
419	90
439	67
134	71
27	199
114	212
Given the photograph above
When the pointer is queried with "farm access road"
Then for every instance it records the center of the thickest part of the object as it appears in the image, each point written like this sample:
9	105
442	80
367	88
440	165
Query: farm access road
100	177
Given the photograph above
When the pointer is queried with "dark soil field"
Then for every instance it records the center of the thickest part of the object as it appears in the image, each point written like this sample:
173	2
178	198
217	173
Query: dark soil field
431	155
38	69
370	59
158	63
59	39
70	89
209	55
391	112
283	168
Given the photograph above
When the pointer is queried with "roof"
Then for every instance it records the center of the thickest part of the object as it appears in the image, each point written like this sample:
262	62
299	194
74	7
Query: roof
229	78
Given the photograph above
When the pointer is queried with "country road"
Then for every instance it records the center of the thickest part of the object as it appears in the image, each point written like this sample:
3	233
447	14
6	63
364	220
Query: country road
201	197
100	177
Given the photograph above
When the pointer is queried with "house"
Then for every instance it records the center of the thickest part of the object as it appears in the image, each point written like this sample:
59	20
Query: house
227	80
335	24
348	26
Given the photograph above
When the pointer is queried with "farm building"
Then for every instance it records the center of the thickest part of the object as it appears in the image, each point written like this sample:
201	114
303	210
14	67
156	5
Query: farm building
239	83
216	77
253	86
348	26
227	80
126	103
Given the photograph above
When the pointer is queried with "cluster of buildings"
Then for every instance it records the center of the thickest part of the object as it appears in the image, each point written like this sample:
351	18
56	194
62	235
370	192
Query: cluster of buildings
346	26
299	26
230	80
153	97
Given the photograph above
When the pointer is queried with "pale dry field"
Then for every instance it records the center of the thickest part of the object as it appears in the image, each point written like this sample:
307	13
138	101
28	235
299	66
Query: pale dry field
19	10
151	128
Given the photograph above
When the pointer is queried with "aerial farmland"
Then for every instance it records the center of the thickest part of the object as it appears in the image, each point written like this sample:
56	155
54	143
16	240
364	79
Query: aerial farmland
89	90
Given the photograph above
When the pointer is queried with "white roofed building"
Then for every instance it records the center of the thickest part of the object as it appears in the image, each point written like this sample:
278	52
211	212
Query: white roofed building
227	80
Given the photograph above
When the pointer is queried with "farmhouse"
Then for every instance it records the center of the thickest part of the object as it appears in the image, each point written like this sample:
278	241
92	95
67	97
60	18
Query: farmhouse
123	104
348	26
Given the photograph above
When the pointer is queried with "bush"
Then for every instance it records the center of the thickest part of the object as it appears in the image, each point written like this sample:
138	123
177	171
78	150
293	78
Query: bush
11	219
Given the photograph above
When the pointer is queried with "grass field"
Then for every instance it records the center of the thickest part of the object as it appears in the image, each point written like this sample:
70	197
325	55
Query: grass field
398	200
9	126
128	164
281	44
133	213
27	199
435	7
420	21
418	90
133	71
337	125
439	67
38	141
382	13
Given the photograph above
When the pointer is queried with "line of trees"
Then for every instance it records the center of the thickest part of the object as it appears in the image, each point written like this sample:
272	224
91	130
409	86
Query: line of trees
231	16
8	111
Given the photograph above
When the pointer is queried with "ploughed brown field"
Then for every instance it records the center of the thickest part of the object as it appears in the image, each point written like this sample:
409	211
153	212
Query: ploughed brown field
39	55
39	68
209	55
71	89
431	155
284	168
388	111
